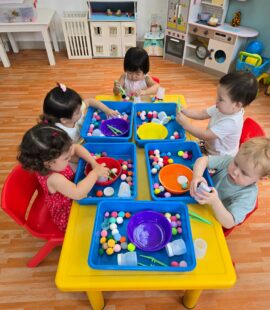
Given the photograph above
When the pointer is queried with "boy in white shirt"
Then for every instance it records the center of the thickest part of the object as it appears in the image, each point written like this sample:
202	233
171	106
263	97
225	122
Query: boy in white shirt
235	91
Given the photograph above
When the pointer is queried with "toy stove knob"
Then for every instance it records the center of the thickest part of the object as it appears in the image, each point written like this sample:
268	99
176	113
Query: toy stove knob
195	29
229	39
205	32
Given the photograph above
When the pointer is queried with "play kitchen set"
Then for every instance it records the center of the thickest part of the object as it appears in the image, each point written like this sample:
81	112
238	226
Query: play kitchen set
205	41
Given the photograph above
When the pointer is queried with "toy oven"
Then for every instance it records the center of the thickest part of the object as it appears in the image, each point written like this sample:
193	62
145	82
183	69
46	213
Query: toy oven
174	46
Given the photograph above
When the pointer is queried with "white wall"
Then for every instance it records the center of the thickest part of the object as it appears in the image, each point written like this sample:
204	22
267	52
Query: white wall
145	9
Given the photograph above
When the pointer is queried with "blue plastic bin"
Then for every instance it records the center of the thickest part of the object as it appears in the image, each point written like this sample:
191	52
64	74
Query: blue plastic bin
123	151
255	70
121	106
107	262
172	126
174	148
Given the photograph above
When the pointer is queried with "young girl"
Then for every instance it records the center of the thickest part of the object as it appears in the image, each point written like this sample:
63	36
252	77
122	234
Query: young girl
65	108
46	150
135	80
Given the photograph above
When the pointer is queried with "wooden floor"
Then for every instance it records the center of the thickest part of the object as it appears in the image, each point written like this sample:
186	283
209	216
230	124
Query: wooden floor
22	89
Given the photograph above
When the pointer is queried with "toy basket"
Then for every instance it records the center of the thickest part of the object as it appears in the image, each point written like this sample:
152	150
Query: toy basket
242	65
76	33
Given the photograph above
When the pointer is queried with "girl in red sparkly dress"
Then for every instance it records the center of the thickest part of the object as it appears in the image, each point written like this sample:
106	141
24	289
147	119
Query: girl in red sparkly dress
46	150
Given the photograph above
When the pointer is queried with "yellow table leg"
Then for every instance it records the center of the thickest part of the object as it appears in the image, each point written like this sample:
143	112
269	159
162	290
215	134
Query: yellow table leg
96	300
190	298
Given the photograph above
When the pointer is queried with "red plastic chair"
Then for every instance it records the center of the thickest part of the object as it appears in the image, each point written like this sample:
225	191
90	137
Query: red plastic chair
156	79
250	129
21	192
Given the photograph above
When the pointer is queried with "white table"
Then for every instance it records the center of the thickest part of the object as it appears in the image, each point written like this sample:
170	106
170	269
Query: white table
42	24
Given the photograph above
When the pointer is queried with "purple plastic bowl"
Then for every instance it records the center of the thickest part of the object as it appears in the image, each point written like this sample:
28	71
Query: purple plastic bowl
117	123
149	230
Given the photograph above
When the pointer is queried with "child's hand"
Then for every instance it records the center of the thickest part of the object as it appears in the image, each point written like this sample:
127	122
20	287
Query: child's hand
101	171
181	119
116	87
208	198
112	113
139	93
196	180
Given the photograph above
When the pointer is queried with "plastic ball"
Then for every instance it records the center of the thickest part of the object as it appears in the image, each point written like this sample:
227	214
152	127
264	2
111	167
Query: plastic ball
153	170
105	246
117	248
183	263
102	240
172	137
167	215
123	177
117	237
123	239
119	220
174	231
156	191
114	214
112	220
124	245
111	243
115	231
174	218
127	215
99	193
121	214
174	264
100	251
255	47
131	247
170	161
104	233
113	226
167	195
109	251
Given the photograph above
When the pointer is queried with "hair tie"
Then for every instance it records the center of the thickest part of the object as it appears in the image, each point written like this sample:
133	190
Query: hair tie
62	86
45	121
54	133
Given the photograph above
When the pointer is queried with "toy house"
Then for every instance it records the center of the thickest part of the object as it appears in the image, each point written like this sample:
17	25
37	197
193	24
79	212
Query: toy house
112	27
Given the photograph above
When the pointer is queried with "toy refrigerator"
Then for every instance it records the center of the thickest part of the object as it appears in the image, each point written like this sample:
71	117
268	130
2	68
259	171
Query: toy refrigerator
178	15
175	34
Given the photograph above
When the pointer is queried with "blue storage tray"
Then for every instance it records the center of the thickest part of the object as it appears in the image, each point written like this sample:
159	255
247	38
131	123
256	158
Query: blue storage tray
123	151
255	70
172	126
109	262
173	148
121	106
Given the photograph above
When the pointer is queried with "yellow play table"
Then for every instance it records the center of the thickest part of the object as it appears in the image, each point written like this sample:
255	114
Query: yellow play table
214	271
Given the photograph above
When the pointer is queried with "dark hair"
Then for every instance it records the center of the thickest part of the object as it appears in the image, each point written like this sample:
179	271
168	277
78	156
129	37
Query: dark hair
42	143
242	86
136	59
60	104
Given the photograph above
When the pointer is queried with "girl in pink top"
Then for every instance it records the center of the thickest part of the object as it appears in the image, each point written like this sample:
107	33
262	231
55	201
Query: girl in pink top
135	80
47	150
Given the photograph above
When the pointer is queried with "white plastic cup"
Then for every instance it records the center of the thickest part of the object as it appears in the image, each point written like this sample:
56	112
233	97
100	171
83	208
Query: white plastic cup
156	120
160	93
162	115
124	190
176	247
127	259
200	246
137	99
